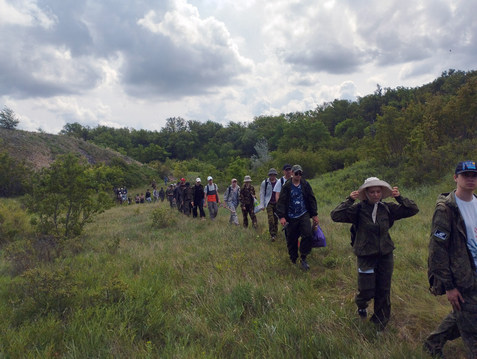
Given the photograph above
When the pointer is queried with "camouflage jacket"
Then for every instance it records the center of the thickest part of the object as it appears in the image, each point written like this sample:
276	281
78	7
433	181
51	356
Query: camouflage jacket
373	238
450	264
247	195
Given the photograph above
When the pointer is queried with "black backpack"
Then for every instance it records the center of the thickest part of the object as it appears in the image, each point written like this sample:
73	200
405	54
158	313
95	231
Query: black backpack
354	227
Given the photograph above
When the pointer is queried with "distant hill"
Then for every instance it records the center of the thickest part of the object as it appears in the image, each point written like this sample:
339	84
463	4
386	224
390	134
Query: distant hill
41	149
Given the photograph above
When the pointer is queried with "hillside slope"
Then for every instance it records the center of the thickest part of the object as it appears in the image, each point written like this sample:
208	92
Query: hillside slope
41	149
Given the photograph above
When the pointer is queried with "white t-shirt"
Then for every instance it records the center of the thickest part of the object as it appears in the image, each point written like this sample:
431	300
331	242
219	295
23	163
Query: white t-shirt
468	210
278	186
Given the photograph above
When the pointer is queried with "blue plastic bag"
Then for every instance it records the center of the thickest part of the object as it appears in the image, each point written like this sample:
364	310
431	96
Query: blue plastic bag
318	239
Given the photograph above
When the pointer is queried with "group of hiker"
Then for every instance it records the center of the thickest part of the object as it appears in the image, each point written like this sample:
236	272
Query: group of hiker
290	201
452	263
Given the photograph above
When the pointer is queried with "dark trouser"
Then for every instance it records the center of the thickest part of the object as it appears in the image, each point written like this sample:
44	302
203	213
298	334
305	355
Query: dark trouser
458	323
179	205
272	219
249	211
374	281
186	207
297	227
200	206
171	201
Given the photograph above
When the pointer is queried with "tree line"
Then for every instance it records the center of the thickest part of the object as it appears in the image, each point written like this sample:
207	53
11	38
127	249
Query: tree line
415	131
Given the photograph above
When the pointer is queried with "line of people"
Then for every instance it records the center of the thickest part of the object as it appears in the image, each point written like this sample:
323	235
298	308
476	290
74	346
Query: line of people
452	247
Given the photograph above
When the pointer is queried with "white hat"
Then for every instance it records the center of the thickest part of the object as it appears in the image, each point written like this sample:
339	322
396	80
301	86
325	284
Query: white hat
209	178
247	179
387	191
197	179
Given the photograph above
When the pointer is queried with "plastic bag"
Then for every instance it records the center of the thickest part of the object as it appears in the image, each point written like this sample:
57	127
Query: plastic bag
318	239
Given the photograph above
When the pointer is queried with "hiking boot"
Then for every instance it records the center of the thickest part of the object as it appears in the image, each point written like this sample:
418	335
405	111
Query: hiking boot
363	313
304	265
293	260
433	352
273	238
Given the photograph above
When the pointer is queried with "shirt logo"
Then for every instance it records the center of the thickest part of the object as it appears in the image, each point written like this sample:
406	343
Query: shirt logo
441	235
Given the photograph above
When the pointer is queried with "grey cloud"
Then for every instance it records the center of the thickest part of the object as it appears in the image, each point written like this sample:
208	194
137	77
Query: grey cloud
336	59
90	31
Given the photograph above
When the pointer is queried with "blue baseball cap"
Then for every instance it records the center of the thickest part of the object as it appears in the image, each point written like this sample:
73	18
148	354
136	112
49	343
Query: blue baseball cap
465	166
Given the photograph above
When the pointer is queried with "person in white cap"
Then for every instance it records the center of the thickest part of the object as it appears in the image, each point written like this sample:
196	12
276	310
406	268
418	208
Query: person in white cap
211	198
198	202
372	218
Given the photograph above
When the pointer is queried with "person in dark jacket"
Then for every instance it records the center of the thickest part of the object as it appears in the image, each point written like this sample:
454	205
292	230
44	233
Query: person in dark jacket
162	194
453	260
373	246
188	198
247	199
295	206
198	201
170	195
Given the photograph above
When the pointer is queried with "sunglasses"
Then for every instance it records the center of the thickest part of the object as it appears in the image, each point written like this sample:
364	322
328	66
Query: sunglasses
298	173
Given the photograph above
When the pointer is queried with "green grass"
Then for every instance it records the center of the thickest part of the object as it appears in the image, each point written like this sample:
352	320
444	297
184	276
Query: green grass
203	289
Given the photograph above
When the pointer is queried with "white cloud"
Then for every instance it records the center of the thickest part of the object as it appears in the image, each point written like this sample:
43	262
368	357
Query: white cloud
136	64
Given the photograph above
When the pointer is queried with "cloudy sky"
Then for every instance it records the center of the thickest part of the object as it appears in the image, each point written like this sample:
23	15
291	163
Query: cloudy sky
136	63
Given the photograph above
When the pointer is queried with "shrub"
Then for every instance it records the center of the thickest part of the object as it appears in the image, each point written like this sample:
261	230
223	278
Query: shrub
163	218
14	222
67	195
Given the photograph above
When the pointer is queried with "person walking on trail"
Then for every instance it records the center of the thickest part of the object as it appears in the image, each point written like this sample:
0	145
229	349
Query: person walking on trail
295	207
247	202
232	200
188	198
180	195
198	202
268	201
453	261
287	174
170	195
371	220
211	198
161	194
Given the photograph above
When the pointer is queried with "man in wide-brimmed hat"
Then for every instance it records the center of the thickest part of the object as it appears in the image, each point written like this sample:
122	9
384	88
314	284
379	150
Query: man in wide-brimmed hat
247	200
372	244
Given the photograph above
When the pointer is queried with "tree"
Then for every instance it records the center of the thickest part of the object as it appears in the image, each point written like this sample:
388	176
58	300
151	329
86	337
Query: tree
8	119
67	195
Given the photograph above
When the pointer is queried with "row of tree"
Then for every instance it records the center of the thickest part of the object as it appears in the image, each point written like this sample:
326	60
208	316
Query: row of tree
414	130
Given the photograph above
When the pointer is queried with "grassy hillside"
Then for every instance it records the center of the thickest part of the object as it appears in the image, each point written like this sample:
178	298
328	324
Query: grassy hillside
203	289
41	149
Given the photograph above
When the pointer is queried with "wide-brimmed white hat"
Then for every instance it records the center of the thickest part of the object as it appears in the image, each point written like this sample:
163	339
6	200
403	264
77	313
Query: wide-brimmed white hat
247	179
387	191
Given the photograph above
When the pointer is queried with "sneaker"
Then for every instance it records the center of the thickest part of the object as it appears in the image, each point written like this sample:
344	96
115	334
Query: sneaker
363	313
304	265
273	238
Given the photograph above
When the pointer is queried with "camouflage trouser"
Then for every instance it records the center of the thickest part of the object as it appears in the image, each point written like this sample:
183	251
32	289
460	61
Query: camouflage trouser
272	219
374	281
461	323
248	210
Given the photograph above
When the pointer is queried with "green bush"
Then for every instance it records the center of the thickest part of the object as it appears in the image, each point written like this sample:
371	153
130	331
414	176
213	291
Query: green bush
14	222
42	291
163	218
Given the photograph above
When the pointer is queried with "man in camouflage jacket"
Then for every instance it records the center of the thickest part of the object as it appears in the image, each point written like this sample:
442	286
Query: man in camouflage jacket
452	261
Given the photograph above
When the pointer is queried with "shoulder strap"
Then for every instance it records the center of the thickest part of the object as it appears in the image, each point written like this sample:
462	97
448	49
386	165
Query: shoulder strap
282	180
266	184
